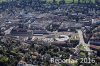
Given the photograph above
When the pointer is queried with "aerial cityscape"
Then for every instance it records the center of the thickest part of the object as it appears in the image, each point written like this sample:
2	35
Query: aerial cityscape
49	32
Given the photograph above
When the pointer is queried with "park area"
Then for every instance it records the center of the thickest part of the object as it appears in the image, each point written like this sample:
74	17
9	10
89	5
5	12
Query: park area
75	1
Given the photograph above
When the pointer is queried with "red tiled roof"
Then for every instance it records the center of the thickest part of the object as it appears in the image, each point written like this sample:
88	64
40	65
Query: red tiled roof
95	47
